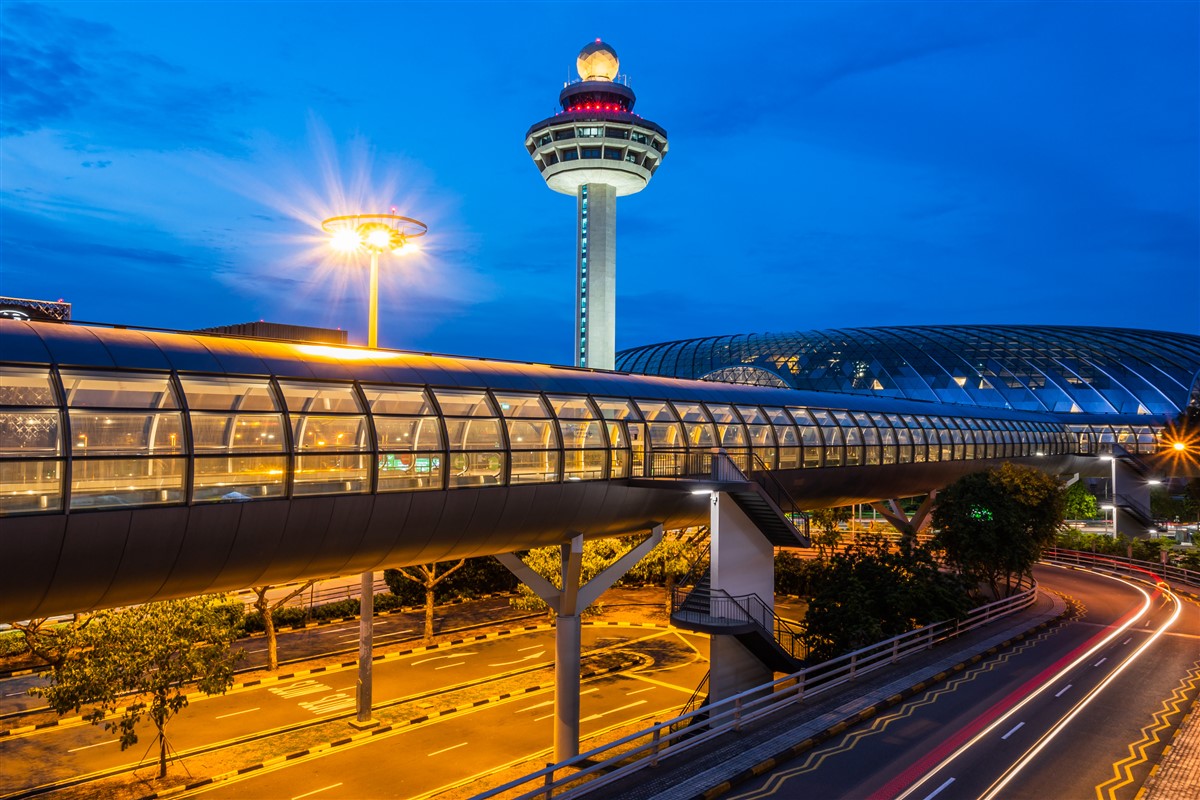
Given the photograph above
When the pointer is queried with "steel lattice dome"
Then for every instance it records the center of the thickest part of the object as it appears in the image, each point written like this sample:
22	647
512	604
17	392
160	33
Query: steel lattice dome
1078	372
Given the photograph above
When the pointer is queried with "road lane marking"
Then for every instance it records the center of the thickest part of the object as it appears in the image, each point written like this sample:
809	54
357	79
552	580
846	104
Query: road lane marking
639	691
447	749
318	791
259	650
531	708
938	790
448	666
300	689
614	710
330	703
235	713
1127	641
581	694
13	694
535	647
1101	661
519	660
90	746
1063	690
1016	728
438	658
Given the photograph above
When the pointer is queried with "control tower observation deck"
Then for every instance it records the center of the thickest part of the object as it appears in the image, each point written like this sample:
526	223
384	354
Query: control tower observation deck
596	149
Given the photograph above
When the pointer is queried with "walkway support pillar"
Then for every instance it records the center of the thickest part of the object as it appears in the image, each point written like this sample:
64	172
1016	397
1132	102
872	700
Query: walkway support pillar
741	562
568	604
366	622
908	528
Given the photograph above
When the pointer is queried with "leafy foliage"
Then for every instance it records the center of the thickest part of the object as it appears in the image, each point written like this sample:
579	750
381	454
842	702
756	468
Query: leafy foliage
156	653
547	562
829	531
1079	503
870	592
994	525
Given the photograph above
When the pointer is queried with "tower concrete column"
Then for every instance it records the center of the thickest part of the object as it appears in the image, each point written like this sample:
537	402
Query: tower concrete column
596	281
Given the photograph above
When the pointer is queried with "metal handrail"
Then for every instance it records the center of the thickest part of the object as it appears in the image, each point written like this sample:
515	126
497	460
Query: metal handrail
612	761
1147	570
778	493
694	702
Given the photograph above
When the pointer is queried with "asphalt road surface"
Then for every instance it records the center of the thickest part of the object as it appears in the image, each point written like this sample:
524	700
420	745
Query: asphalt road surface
1068	714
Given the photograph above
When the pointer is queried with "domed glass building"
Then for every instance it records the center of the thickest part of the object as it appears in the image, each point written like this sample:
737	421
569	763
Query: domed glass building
1111	384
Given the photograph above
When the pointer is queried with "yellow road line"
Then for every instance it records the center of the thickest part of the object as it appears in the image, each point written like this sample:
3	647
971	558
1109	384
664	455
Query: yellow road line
1160	721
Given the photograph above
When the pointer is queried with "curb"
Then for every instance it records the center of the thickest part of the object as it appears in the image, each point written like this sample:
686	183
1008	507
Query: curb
269	679
364	735
791	752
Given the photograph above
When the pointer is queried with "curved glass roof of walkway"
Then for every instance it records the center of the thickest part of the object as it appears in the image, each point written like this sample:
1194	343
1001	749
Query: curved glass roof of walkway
1072	372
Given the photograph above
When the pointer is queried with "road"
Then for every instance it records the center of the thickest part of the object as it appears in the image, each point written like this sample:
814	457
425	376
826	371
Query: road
411	683
1068	714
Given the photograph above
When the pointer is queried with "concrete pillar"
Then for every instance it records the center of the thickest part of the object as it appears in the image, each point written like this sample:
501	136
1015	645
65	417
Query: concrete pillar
366	621
742	562
596	281
567	648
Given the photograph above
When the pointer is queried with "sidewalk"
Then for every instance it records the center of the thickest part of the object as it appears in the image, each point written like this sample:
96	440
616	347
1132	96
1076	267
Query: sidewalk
737	758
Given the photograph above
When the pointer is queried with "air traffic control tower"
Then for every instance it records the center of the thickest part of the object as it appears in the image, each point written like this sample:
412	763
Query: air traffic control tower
597	150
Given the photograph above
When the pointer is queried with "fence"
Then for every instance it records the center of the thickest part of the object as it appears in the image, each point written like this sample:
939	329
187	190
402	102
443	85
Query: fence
615	760
1134	568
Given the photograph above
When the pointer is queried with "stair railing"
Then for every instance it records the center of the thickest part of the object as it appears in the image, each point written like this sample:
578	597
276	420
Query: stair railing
698	699
775	489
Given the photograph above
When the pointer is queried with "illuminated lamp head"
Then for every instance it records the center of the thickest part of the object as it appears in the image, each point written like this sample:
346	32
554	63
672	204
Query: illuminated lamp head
597	62
1179	447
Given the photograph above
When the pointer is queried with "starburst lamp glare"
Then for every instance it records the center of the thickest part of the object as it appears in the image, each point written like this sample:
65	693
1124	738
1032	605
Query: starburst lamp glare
596	149
375	233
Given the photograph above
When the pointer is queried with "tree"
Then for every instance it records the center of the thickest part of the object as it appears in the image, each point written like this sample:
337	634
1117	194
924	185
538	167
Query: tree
994	525
870	592
427	577
267	610
671	560
828	522
547	562
1080	503
46	639
155	652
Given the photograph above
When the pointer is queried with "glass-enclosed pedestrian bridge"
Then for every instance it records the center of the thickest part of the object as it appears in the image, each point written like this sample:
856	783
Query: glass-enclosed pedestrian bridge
137	465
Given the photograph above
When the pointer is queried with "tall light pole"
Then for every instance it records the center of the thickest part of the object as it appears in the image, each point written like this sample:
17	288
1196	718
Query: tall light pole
376	234
1113	490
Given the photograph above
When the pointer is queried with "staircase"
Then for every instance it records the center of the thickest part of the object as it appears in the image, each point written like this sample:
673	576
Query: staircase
1127	504
747	618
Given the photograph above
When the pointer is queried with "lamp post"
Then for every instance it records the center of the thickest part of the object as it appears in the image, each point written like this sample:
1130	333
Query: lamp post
1113	490
376	234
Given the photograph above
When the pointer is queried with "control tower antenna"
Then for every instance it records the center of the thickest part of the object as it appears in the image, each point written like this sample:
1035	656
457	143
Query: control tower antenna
596	149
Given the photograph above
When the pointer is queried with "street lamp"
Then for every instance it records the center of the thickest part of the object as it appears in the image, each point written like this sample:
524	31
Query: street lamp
1113	489
376	234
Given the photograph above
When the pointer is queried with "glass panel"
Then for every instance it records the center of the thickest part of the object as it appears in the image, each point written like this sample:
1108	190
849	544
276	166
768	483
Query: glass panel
761	435
26	387
534	466
616	409
666	435
122	432
578	435
777	415
700	434
571	408
474	434
410	472
522	405
463	403
731	435
331	473
619	464
329	433
320	398
30	485
753	415
238	477
531	435
408	433
584	465
238	432
398	400
30	433
227	394
653	411
124	390
476	469
721	413
616	434
115	482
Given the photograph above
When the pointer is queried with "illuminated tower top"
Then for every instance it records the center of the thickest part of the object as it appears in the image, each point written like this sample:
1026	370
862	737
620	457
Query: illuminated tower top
596	149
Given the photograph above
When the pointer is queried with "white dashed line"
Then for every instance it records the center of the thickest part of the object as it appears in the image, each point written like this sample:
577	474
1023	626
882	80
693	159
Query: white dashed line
448	749
1101	661
90	746
1127	641
938	790
448	666
1016	728
236	713
317	791
1063	690
639	691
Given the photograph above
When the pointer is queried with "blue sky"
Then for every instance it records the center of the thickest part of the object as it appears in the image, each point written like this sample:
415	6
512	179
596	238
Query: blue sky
830	165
